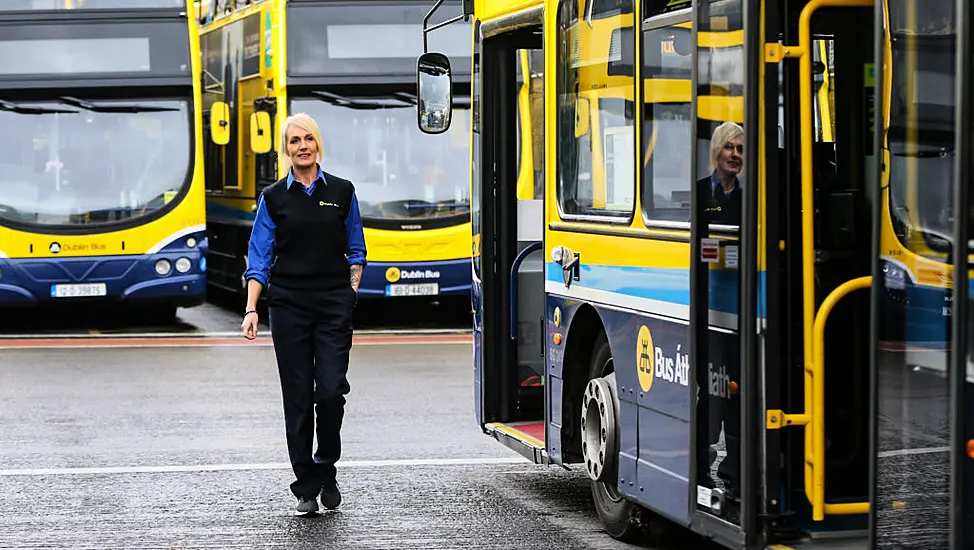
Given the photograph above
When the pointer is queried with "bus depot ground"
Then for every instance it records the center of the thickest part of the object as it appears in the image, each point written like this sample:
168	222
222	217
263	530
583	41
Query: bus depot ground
173	437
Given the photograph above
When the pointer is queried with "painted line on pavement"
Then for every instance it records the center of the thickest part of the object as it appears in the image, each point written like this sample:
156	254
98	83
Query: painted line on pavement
913	452
344	464
222	334
183	341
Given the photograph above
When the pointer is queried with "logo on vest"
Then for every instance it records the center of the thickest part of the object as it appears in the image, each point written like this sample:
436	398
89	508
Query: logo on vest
323	203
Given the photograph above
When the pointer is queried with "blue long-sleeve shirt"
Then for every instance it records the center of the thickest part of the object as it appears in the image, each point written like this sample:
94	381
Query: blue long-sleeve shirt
261	249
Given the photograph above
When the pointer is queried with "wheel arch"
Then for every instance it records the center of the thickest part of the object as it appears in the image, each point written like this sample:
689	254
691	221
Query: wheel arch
586	326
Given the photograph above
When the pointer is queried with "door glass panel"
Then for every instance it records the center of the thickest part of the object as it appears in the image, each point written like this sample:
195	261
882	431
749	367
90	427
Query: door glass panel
530	217
719	192
913	469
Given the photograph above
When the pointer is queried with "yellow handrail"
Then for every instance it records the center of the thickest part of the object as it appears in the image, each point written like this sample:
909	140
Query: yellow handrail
814	454
819	507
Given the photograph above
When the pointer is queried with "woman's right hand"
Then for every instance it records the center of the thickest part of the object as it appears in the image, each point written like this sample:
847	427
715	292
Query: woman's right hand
249	326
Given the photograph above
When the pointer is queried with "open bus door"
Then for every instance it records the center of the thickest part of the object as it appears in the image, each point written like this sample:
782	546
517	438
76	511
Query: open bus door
507	218
815	230
923	405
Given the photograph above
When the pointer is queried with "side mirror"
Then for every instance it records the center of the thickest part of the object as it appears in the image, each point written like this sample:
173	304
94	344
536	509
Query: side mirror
260	132
220	123
434	86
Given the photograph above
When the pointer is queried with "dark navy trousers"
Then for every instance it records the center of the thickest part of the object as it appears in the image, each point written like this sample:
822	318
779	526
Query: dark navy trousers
312	334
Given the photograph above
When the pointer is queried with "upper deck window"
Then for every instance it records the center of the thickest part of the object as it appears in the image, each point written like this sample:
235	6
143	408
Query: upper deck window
53	49
376	38
56	5
74	56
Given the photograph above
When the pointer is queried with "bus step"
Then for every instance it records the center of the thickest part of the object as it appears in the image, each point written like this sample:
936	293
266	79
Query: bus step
526	438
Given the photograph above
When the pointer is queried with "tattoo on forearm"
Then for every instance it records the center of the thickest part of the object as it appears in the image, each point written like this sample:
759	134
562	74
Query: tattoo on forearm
356	275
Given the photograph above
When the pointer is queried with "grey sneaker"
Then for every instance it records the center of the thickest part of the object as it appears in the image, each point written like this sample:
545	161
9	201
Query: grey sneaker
331	496
306	506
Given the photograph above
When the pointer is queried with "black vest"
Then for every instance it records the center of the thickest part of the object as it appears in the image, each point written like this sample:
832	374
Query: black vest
310	241
721	209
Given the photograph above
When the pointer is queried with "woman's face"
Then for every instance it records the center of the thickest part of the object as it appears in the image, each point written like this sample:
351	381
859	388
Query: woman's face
301	147
731	157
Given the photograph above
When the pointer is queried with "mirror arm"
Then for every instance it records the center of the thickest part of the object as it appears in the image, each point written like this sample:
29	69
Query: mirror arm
427	30
426	20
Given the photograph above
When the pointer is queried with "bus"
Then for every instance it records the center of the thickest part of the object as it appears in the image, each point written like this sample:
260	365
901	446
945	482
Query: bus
101	194
797	376
265	60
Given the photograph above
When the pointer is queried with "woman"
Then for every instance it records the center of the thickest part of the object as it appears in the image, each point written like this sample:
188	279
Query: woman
723	185
307	243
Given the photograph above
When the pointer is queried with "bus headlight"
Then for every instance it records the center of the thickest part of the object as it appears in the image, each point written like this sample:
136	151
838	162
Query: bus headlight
163	267
183	265
894	277
190	242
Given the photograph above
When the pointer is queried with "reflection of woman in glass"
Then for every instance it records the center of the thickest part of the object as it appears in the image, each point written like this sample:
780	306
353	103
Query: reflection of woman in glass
721	376
723	186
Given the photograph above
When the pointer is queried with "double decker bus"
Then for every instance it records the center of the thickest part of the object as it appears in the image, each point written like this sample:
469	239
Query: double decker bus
350	65
101	194
798	377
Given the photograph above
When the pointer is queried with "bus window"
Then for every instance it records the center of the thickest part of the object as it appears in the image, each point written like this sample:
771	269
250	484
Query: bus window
596	117
530	124
666	124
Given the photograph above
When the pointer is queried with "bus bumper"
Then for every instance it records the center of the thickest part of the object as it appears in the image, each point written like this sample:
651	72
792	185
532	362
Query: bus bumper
400	279
103	279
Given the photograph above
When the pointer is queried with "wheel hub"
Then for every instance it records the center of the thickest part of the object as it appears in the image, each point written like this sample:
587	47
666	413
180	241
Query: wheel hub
599	429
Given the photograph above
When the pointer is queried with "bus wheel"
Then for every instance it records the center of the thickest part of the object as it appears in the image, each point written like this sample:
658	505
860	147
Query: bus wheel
621	518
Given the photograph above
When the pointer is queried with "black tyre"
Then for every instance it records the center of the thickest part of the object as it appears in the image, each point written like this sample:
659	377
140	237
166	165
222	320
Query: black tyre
622	519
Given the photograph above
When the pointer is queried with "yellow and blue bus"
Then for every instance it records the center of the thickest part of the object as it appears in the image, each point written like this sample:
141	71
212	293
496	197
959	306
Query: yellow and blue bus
101	191
797	376
268	59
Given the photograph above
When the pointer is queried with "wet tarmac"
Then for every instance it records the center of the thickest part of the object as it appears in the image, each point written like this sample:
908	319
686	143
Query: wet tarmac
175	446
222	314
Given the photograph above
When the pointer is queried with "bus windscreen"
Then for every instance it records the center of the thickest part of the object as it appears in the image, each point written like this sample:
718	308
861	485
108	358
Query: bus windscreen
400	174
78	162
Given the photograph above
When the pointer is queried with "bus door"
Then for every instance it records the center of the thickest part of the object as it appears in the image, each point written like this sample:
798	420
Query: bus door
921	340
820	192
792	369
723	182
508	225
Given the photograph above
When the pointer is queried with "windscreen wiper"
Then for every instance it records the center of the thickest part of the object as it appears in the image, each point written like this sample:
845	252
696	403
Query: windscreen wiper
127	108
360	104
419	204
21	110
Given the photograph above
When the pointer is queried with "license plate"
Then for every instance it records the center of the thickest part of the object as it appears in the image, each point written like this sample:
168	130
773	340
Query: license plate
79	291
424	289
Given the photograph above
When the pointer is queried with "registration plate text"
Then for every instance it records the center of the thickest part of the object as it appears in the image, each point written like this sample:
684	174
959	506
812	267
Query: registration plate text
423	289
79	290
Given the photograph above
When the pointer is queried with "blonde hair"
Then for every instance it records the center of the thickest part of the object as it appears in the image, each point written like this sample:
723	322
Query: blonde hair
303	122
722	135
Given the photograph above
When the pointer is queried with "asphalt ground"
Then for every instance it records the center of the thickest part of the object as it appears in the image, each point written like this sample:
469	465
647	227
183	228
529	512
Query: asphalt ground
154	442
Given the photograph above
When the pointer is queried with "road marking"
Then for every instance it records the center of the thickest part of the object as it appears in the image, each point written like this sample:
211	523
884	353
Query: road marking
344	464
194	341
224	334
911	452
